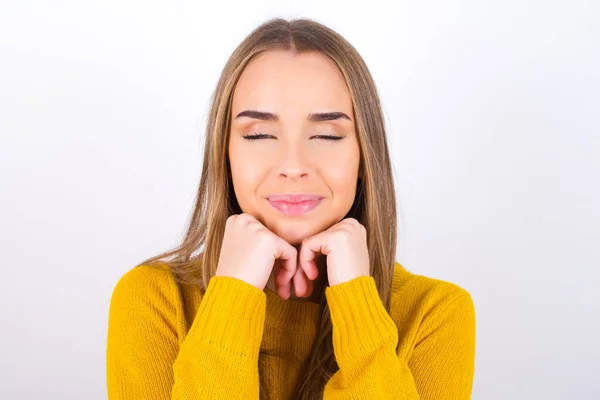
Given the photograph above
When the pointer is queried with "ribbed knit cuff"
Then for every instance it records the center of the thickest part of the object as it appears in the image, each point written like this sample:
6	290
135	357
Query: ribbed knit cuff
361	324
231	316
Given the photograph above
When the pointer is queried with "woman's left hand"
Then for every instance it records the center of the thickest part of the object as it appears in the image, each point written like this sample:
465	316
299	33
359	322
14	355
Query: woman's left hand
345	246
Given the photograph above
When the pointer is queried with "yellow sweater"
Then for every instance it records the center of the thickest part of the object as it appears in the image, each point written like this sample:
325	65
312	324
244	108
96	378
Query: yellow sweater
167	341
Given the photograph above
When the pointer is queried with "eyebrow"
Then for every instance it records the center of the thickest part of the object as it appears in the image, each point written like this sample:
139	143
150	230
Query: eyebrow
312	117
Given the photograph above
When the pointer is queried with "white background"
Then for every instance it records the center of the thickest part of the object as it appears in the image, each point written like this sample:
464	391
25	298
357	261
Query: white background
492	109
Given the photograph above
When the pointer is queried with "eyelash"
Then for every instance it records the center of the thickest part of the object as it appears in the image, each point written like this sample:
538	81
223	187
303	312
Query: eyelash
259	135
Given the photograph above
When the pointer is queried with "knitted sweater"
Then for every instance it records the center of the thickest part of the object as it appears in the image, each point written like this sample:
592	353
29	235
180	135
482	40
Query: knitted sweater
168	341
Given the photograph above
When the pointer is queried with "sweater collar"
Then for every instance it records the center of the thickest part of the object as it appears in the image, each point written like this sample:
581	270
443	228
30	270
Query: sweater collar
297	316
301	316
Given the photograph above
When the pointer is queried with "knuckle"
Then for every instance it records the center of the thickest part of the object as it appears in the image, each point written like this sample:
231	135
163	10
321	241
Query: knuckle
263	236
247	219
244	216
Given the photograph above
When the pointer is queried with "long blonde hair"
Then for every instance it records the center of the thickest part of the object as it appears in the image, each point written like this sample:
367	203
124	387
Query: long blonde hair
195	260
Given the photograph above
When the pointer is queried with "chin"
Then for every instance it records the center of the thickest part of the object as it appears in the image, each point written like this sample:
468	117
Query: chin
294	232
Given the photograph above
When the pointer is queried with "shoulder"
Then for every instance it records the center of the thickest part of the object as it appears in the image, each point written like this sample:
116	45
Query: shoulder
143	277
145	323
146	287
428	297
437	333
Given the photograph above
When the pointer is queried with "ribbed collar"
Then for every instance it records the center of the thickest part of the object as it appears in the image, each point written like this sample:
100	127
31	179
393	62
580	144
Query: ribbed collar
296	316
301	316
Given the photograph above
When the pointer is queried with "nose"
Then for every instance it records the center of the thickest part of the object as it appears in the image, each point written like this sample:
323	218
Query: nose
294	162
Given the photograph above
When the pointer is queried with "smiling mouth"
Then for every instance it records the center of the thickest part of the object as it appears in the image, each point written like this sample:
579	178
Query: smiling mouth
295	208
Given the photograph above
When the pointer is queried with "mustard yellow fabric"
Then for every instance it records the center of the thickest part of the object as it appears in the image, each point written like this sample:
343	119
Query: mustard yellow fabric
167	341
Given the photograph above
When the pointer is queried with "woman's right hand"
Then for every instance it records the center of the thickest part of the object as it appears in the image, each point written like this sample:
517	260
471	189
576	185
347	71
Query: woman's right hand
249	251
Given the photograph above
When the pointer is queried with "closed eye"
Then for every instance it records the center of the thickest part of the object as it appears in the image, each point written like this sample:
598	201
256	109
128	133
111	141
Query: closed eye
255	136
329	137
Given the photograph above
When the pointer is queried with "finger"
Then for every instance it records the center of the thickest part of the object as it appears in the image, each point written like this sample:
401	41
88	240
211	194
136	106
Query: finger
309	284
288	258
309	251
276	271
286	272
309	287
246	218
285	291
283	284
300	283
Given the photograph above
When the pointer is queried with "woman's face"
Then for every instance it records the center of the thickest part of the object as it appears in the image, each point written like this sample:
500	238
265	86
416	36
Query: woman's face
302	109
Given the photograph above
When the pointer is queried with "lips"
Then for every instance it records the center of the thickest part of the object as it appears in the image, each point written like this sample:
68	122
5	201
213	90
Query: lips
295	204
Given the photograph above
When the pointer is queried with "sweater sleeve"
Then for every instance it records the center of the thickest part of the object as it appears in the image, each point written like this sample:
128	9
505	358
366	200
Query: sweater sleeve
365	339
218	359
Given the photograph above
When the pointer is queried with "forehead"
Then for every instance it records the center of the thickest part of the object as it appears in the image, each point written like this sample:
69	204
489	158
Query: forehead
292	84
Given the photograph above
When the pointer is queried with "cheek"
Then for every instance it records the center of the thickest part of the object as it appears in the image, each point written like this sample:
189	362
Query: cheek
244	181
247	174
342	179
341	170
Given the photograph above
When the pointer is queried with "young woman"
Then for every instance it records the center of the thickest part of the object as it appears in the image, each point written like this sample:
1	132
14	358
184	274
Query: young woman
286	285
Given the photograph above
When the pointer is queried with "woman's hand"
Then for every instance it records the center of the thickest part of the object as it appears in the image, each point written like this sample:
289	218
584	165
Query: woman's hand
345	245
249	251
